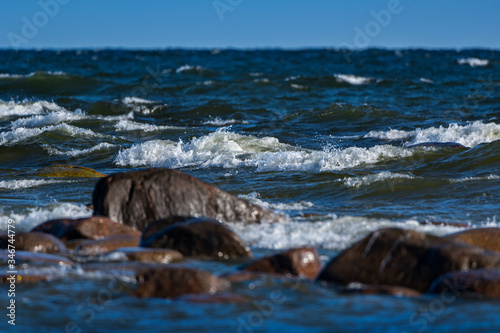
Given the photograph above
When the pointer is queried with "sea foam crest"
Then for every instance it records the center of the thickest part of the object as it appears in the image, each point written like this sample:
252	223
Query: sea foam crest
231	150
27	183
469	135
353	79
78	152
383	176
473	62
12	108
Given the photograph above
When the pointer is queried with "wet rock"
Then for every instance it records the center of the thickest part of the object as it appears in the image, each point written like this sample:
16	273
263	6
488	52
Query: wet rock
23	278
302	262
441	145
241	276
404	258
138	198
95	227
201	238
161	256
153	227
34	242
487	238
68	171
72	244
357	288
484	282
107	244
170	282
35	258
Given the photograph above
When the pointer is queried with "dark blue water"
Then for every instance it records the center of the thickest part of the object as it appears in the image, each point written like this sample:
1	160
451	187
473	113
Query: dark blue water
312	131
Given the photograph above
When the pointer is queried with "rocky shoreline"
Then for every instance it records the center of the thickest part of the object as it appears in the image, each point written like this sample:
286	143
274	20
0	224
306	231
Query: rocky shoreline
152	221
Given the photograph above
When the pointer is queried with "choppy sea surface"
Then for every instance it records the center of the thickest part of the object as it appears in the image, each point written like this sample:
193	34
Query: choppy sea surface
322	136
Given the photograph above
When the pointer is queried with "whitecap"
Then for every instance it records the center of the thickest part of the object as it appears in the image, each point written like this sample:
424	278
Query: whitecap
384	176
78	152
27	183
13	108
52	118
473	62
474	179
293	206
189	68
136	100
217	121
129	125
353	79
423	79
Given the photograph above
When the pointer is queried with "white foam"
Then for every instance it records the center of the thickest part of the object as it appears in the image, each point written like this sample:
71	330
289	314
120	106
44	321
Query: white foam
34	216
52	118
189	68
17	76
384	176
353	79
333	233
474	179
27	183
473	62
135	100
129	125
297	206
231	150
12	108
23	133
78	152
423	79
469	135
298	86
217	121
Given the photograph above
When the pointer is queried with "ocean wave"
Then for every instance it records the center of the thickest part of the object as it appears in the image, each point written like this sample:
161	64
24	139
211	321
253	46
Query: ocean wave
18	76
129	125
27	183
297	206
474	179
188	68
473	62
383	176
33	216
12	108
22	133
469	135
136	100
78	152
231	150
353	79
217	121
333	233
52	118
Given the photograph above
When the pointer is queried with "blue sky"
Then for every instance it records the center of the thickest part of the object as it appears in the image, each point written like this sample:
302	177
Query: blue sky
249	23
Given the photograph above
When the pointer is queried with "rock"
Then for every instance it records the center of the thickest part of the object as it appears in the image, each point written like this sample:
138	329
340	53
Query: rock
404	258
441	145
35	258
302	262
484	282
153	227
487	238
93	247
161	256
241	276
357	288
72	244
201	238
34	242
170	282
140	197
24	278
68	171
95	227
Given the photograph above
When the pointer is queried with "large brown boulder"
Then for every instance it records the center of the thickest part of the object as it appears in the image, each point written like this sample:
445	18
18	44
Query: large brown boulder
137	198
487	238
404	258
200	238
95	227
34	242
303	262
485	282
170	282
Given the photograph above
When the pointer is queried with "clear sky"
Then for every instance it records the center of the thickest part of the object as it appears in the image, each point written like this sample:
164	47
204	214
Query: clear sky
249	23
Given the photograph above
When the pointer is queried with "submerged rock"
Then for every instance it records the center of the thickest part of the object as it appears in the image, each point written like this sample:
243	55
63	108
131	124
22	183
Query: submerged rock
441	145
161	256
404	258
484	282
24	278
302	262
42	259
34	242
71	171
487	238
201	238
153	227
170	282
95	227
93	247
138	198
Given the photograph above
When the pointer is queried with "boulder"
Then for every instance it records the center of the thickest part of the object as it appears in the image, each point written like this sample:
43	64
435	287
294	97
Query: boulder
23	278
161	256
94	247
200	238
404	258
95	227
484	282
303	262
72	171
140	197
153	227
34	242
170	282
487	238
